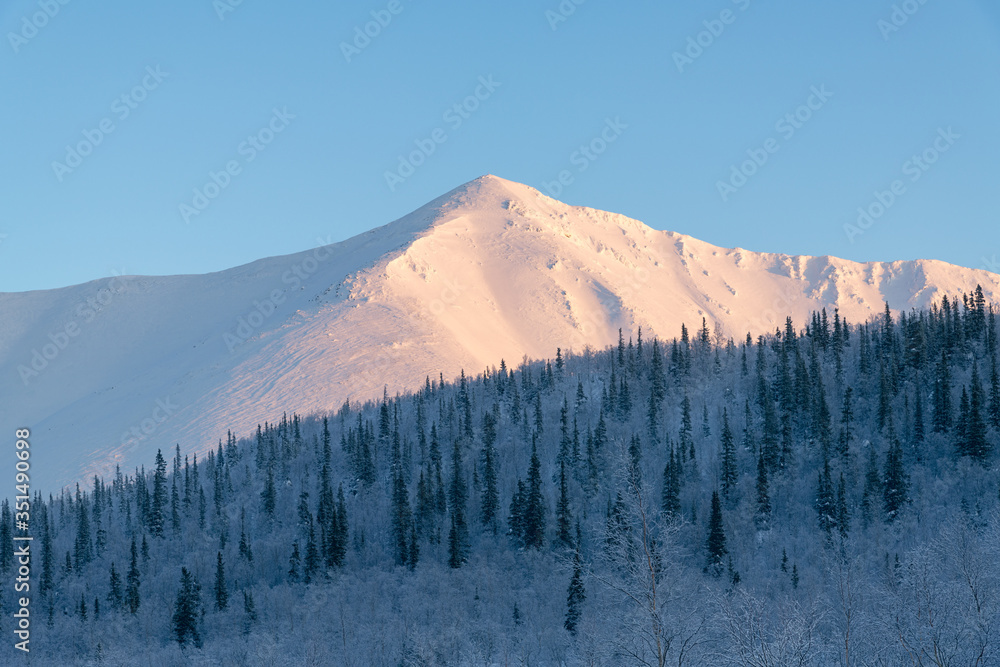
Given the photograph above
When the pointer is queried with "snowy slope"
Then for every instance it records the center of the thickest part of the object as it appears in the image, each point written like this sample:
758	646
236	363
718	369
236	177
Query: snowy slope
491	270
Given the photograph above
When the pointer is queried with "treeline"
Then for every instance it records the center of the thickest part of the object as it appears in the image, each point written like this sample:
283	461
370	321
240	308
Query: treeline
666	497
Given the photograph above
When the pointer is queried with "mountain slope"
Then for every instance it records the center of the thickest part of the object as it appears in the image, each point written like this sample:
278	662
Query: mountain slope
491	270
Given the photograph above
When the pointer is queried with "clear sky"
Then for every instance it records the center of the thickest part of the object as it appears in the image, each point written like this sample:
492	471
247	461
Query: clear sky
309	114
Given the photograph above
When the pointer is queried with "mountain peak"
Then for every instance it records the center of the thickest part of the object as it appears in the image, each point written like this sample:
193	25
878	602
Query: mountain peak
491	190
491	270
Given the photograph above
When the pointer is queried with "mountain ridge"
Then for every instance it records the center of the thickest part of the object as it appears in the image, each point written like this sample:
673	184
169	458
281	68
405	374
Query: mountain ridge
492	269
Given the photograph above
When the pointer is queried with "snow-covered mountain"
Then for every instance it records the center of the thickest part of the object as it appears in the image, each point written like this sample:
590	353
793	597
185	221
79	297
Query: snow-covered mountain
107	371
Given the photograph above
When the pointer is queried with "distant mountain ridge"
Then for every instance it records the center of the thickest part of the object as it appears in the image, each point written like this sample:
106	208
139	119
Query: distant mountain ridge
108	371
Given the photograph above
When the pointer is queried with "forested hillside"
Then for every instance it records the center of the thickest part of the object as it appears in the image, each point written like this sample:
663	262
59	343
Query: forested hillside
825	494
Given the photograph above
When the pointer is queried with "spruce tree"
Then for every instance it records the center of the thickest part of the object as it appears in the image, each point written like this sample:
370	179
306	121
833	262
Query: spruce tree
414	554
575	596
825	504
895	492
534	504
843	513
294	564
846	418
635	463
83	551
219	481
490	502
424	513
618	531
221	592
326	510
515	518
918	417
872	486
749	441
401	518
159	500
339	548
728	474
456	551
132	595
685	435
592	478
268	497
246	550
100	535
458	535
114	589
175	511
657	378
312	560
440	499
941	418
202	506
994	409
538	412
671	503
763	513
977	444
962	425
304	515
45	582
249	612
187	611
716	542
651	418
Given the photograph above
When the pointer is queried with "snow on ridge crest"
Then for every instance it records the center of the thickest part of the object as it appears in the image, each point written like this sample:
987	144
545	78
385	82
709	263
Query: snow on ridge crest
492	269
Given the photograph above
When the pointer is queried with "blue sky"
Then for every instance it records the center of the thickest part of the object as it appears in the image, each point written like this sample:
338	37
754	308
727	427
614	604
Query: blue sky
327	122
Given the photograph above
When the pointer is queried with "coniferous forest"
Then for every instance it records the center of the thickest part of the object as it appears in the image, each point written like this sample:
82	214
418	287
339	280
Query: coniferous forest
821	494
